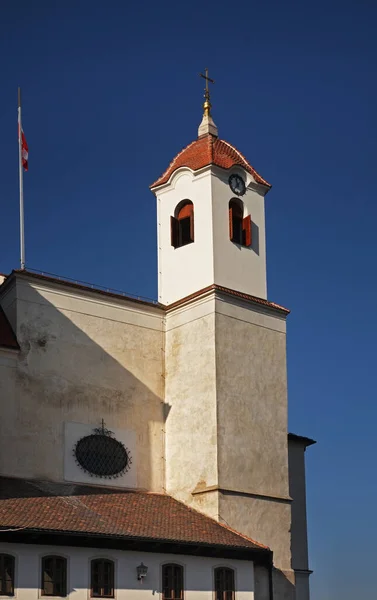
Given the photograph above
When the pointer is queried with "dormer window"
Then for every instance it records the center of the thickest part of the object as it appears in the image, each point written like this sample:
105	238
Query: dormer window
239	226
182	224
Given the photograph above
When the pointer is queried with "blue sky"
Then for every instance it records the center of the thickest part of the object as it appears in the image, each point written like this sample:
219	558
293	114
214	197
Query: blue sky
111	92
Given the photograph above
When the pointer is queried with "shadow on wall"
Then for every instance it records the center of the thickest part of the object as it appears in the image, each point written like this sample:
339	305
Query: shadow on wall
79	367
283	588
255	237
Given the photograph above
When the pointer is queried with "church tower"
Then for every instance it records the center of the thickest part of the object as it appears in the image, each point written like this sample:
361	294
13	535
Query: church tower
225	348
211	226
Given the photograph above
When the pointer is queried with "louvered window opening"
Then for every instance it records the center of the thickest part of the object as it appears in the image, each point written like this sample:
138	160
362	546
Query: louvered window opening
224	584
240	227
182	226
54	576
102	578
6	575
172	582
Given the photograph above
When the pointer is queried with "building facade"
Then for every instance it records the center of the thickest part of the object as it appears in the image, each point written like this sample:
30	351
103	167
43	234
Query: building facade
156	433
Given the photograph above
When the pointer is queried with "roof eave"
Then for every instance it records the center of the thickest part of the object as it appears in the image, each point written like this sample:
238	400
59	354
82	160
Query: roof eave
98	540
304	441
163	181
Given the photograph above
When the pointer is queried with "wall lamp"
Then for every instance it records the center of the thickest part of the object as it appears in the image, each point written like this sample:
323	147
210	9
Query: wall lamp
142	571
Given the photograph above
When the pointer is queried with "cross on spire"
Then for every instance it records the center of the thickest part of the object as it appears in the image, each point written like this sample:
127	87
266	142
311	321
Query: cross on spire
207	104
207	126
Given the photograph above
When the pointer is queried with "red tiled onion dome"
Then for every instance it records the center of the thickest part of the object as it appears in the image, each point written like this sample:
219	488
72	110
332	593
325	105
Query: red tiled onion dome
209	150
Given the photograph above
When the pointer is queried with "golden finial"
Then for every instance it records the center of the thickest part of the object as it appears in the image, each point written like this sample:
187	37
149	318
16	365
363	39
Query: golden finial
207	103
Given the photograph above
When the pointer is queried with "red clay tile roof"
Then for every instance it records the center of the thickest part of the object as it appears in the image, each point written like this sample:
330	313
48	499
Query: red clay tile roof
209	150
7	337
53	507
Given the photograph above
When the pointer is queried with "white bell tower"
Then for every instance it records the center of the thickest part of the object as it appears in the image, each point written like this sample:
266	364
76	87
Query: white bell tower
211	223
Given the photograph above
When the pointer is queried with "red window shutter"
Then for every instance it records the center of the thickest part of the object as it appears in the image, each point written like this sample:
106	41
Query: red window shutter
231	223
192	226
174	232
246	230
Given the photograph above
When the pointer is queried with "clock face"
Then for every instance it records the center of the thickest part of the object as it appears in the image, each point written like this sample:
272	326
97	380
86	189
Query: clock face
237	185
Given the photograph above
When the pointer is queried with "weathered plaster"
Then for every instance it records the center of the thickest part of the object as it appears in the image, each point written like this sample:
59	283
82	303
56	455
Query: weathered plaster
191	429
82	359
226	433
251	406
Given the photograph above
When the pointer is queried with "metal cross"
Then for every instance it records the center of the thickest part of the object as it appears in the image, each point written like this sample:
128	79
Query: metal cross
208	79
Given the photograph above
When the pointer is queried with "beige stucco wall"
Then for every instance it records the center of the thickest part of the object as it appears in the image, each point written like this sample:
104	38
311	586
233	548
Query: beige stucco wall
226	433
251	385
251	401
207	400
191	429
83	358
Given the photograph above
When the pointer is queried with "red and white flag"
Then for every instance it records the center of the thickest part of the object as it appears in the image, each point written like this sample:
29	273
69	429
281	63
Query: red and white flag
24	150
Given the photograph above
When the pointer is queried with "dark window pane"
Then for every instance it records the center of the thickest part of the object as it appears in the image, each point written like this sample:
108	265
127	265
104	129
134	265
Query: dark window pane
172	578
54	576
224	584
6	575
184	231
102	573
237	230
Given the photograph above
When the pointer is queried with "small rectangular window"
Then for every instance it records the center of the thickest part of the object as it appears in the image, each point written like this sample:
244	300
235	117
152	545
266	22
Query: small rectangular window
6	575
102	578
224	584
172	582
54	576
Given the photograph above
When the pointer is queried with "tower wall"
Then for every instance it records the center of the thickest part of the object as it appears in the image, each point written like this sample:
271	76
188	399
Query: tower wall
239	267
226	432
251	386
212	258
190	397
183	271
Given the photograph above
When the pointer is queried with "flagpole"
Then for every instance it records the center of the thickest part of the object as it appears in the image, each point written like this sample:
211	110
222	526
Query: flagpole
22	227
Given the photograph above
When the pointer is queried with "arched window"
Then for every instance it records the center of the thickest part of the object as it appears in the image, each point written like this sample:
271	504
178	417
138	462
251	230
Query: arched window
102	578
182	224
224	584
172	582
239	226
54	576
6	575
